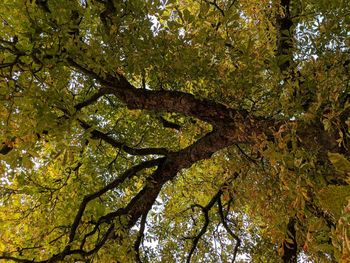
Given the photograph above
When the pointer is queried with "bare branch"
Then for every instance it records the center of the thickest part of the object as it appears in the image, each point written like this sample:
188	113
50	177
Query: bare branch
169	124
140	237
98	244
92	99
233	235
96	134
246	155
205	211
215	4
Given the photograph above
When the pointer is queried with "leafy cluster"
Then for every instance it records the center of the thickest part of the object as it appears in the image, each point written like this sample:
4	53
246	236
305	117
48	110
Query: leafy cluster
174	131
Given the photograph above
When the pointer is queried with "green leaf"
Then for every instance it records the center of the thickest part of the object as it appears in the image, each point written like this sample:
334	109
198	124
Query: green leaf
340	163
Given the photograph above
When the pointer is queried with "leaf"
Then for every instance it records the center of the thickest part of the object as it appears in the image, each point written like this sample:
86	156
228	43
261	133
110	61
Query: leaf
340	163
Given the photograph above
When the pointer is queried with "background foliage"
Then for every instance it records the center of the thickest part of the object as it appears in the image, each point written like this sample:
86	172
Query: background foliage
174	131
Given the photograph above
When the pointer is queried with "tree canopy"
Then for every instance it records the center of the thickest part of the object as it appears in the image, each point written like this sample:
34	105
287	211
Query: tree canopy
174	131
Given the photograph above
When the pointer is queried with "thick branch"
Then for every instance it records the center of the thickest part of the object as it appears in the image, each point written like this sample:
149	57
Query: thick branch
161	100
88	198
174	162
209	111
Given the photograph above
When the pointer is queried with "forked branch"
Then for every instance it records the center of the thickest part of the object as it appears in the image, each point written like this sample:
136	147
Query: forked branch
96	134
112	185
229	231
205	211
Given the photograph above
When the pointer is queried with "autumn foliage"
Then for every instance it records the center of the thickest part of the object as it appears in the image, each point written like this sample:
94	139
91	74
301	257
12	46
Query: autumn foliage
174	131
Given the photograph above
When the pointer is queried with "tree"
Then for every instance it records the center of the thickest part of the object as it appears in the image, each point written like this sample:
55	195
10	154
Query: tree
174	131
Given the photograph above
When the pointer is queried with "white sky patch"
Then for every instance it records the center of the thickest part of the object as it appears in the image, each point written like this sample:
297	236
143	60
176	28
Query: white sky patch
156	26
